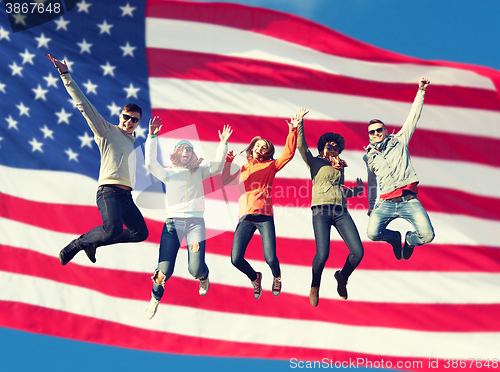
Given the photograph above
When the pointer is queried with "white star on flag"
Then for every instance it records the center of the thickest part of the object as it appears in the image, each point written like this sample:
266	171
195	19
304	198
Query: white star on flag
128	50
83	6
40	92
105	28
23	110
63	116
4	34
43	41
51	80
127	10
86	140
27	56
131	91
91	88
84	46
114	109
108	69
72	155
12	123
16	70
61	23
37	146
47	132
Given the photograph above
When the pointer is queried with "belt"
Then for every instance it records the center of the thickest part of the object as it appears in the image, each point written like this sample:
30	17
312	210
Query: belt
399	199
100	188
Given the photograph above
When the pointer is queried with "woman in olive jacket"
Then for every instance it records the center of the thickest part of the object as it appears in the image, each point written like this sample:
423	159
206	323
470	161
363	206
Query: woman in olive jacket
329	207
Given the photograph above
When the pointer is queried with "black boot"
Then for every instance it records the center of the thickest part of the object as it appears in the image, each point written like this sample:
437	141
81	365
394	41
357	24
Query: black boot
68	252
90	251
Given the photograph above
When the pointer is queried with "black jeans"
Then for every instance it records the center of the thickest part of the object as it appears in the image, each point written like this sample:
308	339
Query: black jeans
324	216
117	208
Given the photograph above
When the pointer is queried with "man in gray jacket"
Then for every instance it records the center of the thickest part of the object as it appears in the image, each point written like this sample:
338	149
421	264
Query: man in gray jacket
387	158
116	175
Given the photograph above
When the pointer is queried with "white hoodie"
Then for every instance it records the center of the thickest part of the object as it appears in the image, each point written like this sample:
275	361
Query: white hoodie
185	196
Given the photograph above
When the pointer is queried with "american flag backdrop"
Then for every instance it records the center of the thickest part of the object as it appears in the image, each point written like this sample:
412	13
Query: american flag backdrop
200	66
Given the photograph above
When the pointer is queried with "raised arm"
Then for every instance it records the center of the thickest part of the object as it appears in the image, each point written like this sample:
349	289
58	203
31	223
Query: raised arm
220	155
151	151
96	122
301	142
410	124
227	177
291	140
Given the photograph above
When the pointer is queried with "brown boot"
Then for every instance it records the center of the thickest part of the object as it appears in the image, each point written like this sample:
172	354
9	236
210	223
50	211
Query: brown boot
314	296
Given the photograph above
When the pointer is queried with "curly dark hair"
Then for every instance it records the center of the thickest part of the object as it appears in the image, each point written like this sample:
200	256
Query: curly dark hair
330	137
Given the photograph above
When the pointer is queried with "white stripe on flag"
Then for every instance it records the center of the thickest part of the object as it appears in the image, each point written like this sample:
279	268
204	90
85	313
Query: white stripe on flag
228	41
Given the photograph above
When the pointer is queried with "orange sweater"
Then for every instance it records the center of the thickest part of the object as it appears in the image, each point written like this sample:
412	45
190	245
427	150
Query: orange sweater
256	179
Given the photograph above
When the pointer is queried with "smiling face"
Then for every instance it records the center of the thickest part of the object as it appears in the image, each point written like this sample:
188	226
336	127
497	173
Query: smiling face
259	148
129	120
331	150
377	132
186	155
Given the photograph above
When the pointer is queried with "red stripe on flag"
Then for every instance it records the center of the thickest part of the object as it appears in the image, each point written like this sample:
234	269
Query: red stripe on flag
424	143
217	68
184	292
62	324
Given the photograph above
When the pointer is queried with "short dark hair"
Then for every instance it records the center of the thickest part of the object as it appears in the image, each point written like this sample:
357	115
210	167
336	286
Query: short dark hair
132	107
330	137
376	121
268	155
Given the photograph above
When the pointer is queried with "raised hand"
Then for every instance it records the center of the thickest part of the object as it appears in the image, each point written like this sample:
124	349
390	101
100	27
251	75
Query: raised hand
295	120
62	67
155	126
424	82
226	133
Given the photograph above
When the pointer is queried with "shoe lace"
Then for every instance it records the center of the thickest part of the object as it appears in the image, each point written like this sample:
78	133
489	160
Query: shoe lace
276	282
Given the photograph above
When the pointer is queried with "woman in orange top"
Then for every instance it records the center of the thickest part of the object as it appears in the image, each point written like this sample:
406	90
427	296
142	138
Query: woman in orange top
256	204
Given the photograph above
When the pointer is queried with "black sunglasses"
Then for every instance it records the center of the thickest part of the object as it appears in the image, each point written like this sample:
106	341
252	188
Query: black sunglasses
330	147
378	130
128	117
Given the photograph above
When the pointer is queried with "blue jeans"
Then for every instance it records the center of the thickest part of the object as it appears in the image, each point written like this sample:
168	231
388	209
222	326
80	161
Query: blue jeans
117	208
411	210
242	236
174	231
324	217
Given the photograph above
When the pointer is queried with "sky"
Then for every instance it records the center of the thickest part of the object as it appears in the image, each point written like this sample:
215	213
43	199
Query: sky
453	30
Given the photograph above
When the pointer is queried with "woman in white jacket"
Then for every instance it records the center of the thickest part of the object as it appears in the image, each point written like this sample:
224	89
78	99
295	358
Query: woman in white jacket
185	204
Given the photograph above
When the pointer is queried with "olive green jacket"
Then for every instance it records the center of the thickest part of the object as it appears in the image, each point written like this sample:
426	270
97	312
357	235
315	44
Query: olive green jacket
328	182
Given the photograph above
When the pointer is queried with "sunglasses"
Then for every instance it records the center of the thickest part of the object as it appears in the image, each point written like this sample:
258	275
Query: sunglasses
378	130
330	147
187	148
128	117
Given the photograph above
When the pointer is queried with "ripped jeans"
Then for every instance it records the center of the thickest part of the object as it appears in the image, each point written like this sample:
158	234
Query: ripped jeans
174	231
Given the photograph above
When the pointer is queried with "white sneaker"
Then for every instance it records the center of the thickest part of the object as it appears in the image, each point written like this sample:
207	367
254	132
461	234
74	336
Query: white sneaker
204	285
152	307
